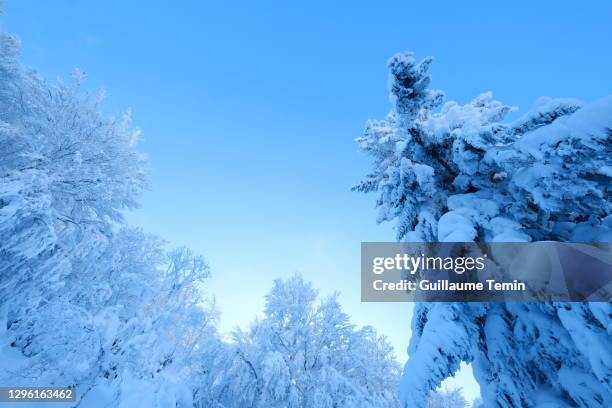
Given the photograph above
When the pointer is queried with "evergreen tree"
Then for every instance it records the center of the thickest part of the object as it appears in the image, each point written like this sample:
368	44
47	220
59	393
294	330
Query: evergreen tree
461	173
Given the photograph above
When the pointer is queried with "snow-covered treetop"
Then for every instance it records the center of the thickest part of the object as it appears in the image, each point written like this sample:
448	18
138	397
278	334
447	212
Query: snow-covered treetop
56	139
462	173
305	353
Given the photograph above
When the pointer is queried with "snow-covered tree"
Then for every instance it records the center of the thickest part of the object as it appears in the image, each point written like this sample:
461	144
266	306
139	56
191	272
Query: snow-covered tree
477	403
83	300
462	173
447	398
305	353
90	302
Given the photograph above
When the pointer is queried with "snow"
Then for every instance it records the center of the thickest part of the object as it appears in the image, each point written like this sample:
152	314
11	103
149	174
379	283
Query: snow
84	299
545	176
89	301
454	227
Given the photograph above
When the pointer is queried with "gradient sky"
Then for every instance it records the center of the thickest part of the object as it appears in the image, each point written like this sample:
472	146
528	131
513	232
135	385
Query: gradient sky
250	112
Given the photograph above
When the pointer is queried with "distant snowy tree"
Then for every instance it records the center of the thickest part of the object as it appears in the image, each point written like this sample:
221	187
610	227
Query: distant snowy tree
305	353
83	300
460	173
447	399
477	403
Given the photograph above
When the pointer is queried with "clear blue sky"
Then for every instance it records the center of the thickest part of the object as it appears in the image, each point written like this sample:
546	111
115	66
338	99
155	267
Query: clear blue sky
250	112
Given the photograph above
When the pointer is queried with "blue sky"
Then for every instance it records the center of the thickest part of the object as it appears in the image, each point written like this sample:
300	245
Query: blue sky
250	112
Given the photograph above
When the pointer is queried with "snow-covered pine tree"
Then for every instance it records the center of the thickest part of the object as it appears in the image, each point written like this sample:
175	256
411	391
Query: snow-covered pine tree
461	173
305	353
